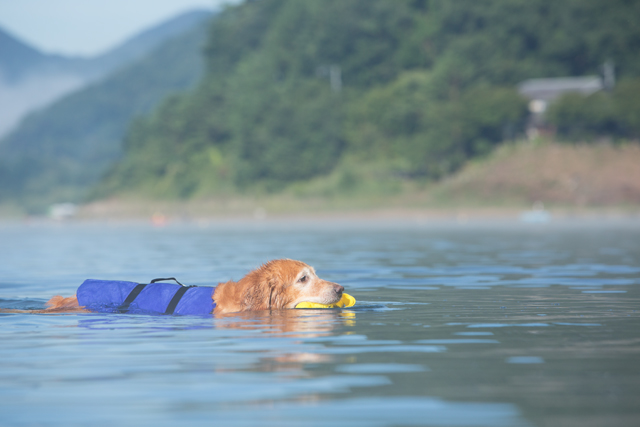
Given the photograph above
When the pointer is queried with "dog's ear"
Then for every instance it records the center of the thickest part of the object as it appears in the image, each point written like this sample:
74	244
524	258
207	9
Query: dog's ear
259	288
277	295
263	291
256	297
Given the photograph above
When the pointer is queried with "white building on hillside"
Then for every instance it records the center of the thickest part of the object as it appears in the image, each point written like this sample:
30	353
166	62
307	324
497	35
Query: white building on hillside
542	92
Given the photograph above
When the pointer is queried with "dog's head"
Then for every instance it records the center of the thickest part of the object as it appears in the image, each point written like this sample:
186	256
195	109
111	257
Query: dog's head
284	283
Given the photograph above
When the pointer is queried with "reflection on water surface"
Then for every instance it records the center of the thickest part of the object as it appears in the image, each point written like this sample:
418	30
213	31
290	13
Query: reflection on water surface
454	326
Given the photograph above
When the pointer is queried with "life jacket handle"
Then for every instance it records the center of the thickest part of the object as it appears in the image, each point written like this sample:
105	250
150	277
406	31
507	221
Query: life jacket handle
162	279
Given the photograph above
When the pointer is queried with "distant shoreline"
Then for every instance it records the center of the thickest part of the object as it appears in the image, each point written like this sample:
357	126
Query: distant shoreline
98	214
564	181
590	181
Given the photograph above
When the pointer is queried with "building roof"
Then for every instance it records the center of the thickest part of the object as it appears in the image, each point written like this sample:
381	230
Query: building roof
550	89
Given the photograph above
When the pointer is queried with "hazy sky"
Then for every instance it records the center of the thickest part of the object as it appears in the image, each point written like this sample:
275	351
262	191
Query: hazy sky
88	27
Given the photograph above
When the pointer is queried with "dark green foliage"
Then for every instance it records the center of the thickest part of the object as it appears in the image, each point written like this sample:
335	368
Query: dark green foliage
298	136
508	41
626	100
577	117
615	114
400	122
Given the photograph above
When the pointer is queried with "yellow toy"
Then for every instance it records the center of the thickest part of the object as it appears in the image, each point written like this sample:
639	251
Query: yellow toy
346	301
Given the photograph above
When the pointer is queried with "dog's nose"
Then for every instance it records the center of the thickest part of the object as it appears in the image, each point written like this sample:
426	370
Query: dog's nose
339	289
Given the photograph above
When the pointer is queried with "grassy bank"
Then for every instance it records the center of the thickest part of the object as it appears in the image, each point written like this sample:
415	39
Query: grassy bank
565	178
568	179
568	175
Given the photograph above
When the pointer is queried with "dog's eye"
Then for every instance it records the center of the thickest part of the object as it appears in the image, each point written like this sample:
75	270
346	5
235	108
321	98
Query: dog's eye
302	279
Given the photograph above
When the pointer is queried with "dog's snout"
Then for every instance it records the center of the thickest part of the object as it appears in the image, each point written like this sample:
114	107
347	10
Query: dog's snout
338	288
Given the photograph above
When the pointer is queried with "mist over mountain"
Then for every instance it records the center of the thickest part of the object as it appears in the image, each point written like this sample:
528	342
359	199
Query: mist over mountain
18	58
56	152
31	79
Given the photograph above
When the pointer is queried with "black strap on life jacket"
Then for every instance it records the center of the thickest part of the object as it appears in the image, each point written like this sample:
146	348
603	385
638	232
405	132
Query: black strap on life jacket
176	299
124	308
177	296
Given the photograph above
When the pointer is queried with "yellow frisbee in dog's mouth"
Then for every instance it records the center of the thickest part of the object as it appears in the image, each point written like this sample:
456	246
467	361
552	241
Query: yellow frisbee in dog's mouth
346	301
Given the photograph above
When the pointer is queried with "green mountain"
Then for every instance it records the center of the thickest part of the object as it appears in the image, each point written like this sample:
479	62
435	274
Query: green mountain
59	152
363	91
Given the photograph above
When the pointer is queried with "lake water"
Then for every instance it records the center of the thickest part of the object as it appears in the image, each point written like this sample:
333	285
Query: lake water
455	325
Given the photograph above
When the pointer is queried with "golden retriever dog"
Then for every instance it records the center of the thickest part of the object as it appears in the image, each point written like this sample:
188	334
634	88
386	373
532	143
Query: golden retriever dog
278	284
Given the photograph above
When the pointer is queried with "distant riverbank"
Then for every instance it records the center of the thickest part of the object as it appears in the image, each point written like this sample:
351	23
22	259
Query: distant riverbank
586	180
561	180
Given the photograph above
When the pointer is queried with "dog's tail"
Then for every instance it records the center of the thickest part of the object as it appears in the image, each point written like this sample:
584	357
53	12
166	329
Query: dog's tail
57	304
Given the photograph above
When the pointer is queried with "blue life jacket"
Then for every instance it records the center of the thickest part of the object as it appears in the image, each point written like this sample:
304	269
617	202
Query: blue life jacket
113	296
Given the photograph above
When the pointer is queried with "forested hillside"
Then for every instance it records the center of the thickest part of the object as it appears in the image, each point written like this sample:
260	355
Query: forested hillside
299	89
59	152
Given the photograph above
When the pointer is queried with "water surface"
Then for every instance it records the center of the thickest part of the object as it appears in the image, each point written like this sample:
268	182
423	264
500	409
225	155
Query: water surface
455	325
